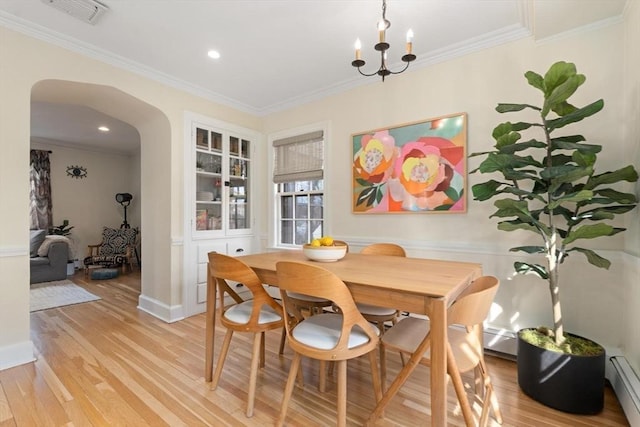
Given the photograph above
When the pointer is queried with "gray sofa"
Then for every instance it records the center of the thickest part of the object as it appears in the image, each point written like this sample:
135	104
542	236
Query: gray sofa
51	265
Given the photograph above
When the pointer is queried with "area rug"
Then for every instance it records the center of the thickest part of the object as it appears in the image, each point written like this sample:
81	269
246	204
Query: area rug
58	294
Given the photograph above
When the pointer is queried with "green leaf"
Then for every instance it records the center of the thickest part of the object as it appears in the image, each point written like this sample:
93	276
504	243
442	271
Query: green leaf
576	116
627	173
563	108
507	139
617	196
535	80
584	159
571	198
566	173
558	96
606	212
508	108
557	74
365	196
593	258
529	249
591	232
520	146
535	269
516	225
568	145
485	190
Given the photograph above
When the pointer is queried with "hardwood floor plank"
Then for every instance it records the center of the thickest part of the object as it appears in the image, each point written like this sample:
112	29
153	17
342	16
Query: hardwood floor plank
107	363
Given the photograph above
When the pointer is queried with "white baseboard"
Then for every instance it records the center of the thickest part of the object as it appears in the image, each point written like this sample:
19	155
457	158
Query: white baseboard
626	385
16	354
160	310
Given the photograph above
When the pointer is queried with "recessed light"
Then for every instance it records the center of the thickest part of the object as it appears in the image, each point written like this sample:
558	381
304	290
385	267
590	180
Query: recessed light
103	129
213	54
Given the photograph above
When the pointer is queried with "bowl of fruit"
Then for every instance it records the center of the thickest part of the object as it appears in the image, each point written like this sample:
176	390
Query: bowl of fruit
324	250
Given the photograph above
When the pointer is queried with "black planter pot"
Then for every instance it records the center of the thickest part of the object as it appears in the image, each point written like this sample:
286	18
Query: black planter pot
566	382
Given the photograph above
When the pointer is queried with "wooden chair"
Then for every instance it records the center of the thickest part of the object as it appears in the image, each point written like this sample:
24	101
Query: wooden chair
375	314
117	248
258	315
325	336
311	304
464	348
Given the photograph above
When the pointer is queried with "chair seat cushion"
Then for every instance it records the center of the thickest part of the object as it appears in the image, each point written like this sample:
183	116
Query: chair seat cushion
240	313
375	310
307	298
322	331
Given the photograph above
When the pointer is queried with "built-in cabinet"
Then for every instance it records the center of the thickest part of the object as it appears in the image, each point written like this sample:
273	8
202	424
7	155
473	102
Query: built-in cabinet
218	189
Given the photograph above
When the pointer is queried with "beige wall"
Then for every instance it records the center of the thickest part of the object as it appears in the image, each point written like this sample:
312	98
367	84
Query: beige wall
473	84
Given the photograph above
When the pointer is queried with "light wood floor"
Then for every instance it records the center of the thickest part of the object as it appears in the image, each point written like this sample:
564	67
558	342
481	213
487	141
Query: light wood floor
106	363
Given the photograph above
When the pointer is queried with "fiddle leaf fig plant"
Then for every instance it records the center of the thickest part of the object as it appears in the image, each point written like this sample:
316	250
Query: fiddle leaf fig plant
547	181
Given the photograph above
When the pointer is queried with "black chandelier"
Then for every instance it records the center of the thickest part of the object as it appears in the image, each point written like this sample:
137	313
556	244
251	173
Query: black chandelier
382	46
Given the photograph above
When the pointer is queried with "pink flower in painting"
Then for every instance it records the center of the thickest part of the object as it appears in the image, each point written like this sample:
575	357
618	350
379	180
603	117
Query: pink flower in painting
374	161
419	168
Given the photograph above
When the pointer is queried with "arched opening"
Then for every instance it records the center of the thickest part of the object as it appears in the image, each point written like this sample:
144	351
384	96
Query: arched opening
153	181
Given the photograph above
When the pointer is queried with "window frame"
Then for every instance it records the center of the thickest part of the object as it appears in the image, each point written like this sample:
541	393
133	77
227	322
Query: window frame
274	220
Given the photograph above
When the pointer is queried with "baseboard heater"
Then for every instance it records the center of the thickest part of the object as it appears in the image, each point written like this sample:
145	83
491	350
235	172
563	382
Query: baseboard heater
626	385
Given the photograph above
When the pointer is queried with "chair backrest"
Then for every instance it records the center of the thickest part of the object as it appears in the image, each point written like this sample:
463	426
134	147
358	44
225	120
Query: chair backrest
115	241
224	267
321	283
472	307
390	249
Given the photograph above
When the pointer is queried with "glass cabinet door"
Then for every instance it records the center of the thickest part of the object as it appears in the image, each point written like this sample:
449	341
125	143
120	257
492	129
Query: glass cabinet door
209	181
239	163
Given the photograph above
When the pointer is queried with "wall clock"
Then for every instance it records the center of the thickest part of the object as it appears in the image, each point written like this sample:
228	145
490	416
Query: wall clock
77	172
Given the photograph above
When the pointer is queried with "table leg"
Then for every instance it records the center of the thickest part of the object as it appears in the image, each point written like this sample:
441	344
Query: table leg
438	319
210	327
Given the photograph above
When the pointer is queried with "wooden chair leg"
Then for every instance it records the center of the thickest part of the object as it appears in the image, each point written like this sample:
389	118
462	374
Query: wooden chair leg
375	376
383	367
221	357
282	340
253	376
322	376
458	385
342	393
288	389
262	349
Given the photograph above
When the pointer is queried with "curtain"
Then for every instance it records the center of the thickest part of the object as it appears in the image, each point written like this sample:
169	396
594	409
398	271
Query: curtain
40	191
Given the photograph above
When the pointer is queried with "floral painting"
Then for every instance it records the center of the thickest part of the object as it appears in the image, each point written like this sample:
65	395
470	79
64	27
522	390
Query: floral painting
418	167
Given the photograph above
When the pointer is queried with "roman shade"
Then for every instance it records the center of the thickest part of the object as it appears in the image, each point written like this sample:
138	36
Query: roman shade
299	158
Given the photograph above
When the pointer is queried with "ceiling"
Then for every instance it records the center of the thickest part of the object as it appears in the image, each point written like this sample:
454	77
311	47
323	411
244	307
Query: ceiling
276	54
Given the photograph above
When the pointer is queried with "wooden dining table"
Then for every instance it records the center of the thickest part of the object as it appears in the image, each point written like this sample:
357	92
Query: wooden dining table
415	285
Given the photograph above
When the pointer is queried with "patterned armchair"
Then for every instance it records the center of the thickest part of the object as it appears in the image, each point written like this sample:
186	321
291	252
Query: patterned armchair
116	249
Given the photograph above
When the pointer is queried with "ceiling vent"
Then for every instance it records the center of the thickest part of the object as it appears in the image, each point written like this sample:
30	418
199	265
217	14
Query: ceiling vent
85	10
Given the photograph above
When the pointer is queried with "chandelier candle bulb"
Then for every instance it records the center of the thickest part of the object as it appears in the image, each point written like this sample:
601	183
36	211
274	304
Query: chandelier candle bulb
358	47
409	41
381	30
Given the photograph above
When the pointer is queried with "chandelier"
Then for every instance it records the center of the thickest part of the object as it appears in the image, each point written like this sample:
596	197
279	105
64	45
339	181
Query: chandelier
382	46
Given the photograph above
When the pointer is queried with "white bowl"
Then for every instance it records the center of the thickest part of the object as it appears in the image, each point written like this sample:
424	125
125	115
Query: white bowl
324	253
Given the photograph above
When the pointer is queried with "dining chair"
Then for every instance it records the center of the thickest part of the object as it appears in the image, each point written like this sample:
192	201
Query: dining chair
373	313
327	336
464	348
309	303
257	315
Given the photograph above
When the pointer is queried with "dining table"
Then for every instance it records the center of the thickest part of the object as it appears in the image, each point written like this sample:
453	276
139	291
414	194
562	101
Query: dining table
414	285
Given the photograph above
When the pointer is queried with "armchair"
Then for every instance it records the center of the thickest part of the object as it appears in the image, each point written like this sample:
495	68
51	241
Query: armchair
117	248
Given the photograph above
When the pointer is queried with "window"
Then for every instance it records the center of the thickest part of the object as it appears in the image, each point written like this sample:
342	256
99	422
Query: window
299	187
